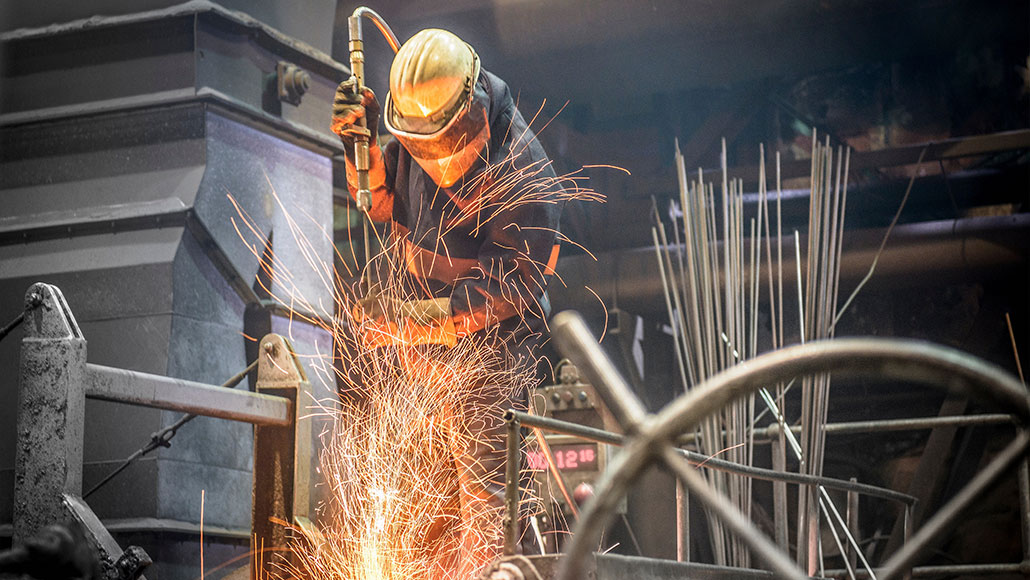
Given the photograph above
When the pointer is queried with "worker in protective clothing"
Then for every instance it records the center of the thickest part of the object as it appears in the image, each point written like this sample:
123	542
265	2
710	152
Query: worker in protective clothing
473	193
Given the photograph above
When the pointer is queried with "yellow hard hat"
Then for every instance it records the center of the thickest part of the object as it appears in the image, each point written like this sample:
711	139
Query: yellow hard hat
432	77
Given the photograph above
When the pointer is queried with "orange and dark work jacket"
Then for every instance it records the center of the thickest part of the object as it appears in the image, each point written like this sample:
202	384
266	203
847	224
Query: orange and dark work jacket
489	243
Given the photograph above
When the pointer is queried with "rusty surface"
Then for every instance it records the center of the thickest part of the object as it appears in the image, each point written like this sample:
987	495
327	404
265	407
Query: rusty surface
51	414
282	457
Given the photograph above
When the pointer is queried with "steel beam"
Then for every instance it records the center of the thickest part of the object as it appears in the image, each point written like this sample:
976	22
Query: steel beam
165	213
147	390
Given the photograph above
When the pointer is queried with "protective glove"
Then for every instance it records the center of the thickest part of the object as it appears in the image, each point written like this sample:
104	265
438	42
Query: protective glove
348	107
407	323
377	307
426	312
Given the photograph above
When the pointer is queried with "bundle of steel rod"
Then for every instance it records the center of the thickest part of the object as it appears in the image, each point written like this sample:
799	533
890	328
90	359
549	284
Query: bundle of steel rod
713	293
825	220
711	289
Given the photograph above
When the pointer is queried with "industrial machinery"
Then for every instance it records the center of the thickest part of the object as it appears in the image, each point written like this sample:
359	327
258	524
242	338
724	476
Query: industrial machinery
565	467
653	439
580	462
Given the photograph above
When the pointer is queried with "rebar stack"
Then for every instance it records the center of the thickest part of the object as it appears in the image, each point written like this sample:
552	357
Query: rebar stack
712	283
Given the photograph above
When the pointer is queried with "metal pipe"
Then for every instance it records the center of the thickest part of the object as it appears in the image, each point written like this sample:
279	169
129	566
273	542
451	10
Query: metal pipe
511	484
601	436
380	23
970	570
915	424
772	431
135	388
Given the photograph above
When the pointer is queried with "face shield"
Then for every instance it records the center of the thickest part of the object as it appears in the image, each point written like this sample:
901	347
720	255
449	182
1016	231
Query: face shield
448	153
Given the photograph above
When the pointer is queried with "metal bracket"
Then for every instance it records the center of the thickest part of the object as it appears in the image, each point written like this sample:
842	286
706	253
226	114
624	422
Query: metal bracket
51	413
291	82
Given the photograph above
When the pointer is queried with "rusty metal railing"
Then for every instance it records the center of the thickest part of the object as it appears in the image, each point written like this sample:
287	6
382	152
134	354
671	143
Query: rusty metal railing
54	382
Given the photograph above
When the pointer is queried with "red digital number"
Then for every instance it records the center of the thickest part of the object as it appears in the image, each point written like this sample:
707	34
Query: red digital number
586	455
571	459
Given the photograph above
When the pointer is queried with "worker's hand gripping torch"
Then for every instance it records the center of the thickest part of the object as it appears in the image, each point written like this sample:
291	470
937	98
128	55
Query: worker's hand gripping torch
360	132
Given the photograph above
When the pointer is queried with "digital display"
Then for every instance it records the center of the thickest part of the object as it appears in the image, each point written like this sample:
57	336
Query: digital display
567	457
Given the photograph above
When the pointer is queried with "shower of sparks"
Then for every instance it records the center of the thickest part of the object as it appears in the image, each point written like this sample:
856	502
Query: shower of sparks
395	507
402	503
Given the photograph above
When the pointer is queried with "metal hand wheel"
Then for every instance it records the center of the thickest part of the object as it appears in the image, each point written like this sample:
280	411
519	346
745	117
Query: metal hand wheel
651	436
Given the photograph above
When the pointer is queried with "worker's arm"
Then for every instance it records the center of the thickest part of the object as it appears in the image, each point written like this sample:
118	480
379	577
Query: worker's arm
514	266
348	108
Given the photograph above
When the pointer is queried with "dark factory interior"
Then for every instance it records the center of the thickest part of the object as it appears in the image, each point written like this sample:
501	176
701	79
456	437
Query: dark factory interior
782	338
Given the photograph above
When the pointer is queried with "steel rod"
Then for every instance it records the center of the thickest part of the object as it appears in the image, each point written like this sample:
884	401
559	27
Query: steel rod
909	424
511	484
836	540
971	570
170	394
609	438
673	323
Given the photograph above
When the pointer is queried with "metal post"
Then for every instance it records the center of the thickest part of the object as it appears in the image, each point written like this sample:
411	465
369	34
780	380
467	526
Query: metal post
1024	508
51	413
282	457
852	517
511	484
682	523
779	461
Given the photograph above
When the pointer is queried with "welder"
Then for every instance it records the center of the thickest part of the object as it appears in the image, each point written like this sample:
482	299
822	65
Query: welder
450	181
